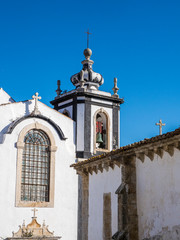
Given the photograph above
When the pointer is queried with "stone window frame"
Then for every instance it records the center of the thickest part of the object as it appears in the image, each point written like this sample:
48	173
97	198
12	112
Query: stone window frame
122	206
107	216
52	149
107	149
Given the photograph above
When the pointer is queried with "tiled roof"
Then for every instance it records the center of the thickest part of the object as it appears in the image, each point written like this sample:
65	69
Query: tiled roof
130	147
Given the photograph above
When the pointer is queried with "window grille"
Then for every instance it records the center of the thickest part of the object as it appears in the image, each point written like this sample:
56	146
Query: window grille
35	167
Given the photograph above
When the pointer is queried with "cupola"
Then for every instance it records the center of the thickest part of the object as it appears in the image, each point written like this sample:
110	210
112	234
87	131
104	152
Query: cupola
87	78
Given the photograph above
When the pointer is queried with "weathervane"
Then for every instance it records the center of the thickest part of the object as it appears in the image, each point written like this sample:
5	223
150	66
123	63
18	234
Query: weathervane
88	38
160	124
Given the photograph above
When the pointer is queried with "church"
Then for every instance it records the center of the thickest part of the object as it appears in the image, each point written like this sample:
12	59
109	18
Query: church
64	176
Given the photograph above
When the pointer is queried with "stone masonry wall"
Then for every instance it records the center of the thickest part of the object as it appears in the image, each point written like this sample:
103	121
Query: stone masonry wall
167	234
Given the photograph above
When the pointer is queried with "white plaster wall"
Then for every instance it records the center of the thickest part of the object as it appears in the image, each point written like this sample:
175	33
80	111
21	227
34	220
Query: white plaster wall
4	97
62	218
98	185
80	127
158	194
93	110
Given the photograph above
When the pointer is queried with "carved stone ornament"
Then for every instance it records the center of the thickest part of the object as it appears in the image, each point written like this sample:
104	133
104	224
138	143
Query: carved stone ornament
58	91
87	77
36	98
115	88
33	230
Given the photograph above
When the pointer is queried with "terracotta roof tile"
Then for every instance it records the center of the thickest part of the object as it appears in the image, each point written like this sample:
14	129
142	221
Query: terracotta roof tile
130	147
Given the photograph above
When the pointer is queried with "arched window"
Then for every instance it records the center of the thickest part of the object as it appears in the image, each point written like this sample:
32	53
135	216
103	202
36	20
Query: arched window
66	113
101	131
35	176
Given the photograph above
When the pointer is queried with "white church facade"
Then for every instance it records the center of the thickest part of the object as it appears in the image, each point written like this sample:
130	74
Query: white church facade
129	193
37	146
36	150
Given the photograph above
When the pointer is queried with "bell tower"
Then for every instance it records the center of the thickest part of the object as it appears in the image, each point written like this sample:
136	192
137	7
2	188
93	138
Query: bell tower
96	113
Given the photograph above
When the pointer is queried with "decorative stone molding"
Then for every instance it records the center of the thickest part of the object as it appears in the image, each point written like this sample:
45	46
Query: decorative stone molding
20	145
51	122
52	149
33	231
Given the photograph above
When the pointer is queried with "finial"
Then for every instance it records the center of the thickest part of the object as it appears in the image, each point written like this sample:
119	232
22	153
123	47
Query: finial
58	91
88	38
36	98
87	79
87	53
160	124
115	88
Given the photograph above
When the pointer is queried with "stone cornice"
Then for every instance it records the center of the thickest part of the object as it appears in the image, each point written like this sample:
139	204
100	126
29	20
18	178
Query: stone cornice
125	155
70	95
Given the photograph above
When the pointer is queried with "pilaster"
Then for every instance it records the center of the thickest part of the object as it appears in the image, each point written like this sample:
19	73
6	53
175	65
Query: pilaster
129	177
85	205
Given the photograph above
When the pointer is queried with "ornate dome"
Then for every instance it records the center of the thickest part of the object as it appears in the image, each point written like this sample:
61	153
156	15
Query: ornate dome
87	77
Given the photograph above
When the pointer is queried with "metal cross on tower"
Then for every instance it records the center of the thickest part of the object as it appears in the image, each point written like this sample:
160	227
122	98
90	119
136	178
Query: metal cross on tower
88	38
34	211
160	124
36	97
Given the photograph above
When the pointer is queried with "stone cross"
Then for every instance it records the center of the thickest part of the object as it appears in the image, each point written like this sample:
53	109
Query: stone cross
160	124
88	38
36	97
34	211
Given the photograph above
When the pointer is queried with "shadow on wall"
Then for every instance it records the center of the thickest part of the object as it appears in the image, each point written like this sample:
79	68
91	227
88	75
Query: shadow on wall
5	129
3	132
27	103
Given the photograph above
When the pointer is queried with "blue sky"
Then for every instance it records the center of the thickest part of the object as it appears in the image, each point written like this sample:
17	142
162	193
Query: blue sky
136	41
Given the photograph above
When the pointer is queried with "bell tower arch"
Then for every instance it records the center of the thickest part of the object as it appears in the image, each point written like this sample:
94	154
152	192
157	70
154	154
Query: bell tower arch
101	125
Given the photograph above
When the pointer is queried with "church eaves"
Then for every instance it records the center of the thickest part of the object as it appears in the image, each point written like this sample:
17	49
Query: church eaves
148	147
